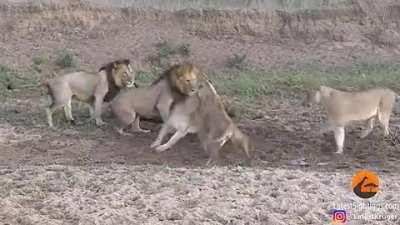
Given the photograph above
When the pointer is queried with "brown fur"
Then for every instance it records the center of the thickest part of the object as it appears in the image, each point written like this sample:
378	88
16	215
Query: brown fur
205	115
344	107
92	88
155	101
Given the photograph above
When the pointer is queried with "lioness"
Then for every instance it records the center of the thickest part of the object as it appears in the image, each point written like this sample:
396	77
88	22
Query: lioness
345	107
155	101
204	114
92	88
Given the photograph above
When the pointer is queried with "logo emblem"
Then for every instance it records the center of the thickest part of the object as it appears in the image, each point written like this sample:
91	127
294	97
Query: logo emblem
339	216
365	184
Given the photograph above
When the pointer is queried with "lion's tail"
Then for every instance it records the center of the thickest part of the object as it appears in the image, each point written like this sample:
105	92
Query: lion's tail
50	92
241	140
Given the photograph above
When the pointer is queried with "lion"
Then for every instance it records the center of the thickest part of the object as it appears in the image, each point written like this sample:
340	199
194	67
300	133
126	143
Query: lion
205	115
91	88
345	107
154	102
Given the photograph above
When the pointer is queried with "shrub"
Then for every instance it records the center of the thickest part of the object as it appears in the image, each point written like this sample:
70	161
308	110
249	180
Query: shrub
237	61
65	59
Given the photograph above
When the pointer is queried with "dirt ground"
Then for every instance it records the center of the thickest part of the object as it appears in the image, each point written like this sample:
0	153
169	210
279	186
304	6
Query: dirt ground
83	175
86	175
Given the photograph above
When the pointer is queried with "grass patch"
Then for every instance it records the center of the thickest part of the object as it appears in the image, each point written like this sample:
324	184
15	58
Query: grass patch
145	78
252	85
38	62
237	61
65	59
249	85
7	79
165	50
11	80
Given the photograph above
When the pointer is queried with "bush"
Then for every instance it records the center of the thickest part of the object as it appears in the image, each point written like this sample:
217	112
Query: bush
237	61
164	51
183	49
65	59
5	79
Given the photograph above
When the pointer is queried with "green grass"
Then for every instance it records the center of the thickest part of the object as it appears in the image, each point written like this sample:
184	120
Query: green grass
38	62
237	61
164	50
11	80
145	78
65	59
252	85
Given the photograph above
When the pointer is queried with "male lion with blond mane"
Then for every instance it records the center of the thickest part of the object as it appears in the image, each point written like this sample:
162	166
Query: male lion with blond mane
92	88
203	113
345	107
175	84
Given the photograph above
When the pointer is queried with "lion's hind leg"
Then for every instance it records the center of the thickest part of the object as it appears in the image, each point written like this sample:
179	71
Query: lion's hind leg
366	132
58	100
339	133
68	111
384	118
385	110
137	127
213	149
242	142
126	118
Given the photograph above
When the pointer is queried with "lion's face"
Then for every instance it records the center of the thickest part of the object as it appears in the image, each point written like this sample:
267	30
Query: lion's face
187	80
124	75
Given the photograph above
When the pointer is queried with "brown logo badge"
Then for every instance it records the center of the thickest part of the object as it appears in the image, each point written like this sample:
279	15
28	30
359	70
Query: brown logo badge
365	184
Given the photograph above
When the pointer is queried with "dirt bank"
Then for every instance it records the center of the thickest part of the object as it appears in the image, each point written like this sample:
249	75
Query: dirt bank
270	39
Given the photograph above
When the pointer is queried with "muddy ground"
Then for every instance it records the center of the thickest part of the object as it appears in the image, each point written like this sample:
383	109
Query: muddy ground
86	175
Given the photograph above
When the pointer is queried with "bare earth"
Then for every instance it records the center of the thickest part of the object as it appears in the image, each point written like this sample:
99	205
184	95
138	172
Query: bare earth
87	175
83	175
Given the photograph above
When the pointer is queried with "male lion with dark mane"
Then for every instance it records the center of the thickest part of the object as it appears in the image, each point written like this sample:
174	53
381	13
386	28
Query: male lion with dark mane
176	83
92	88
204	114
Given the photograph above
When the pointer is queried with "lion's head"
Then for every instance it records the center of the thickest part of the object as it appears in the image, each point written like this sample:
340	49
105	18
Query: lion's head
184	78
120	73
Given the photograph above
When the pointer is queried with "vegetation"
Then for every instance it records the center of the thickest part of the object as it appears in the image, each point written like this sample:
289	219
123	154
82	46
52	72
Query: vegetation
11	80
237	61
165	50
65	59
239	4
6	79
38	62
251	85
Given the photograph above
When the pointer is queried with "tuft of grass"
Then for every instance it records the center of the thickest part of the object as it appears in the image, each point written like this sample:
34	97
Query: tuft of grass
38	62
183	49
252	85
165	50
237	61
145	78
65	59
7	81
11	80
